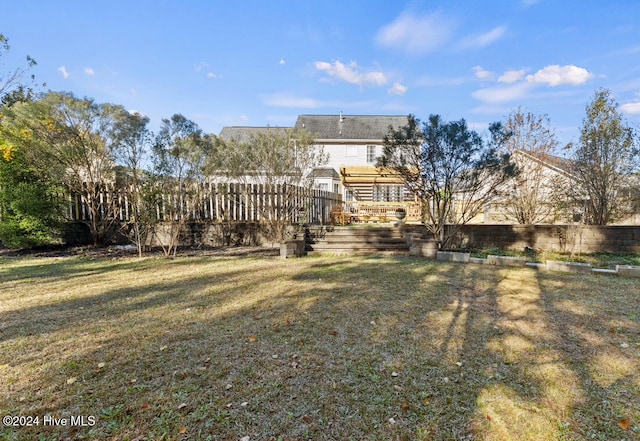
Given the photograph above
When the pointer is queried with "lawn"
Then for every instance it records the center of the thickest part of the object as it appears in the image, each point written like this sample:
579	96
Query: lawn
320	348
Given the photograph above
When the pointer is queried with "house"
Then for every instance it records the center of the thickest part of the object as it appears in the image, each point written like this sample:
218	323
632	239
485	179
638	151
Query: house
353	143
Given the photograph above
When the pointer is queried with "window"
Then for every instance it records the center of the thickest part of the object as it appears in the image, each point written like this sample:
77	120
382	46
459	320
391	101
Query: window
348	195
336	188
323	186
388	193
352	150
371	153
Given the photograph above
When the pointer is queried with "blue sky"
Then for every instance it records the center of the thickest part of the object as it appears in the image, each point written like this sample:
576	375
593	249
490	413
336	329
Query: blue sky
263	63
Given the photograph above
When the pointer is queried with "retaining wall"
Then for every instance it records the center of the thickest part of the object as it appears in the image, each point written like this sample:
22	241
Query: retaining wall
562	238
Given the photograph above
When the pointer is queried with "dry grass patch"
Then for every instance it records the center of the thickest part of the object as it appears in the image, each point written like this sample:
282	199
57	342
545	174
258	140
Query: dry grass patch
318	348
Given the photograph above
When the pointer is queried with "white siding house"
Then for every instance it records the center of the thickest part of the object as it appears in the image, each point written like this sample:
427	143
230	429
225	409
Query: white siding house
353	143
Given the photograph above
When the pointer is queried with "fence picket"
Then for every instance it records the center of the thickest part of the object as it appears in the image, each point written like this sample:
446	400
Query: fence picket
230	201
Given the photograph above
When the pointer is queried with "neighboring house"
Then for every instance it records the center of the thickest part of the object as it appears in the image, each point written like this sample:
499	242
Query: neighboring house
541	188
244	134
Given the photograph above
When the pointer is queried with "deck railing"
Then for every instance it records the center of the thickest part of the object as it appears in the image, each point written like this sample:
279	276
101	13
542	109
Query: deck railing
364	212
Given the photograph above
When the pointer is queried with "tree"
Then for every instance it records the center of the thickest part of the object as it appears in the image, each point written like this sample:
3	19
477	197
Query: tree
180	152
536	193
73	139
11	79
604	159
30	201
450	168
279	161
30	207
133	137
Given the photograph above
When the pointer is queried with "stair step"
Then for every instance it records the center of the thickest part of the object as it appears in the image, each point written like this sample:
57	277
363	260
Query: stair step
363	240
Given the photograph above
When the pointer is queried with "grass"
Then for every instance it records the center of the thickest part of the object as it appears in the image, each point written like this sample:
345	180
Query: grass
327	348
597	260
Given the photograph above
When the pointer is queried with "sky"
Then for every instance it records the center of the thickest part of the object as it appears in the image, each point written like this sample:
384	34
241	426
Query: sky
259	63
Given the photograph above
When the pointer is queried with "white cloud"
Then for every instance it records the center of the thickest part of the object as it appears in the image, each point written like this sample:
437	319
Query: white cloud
483	40
482	74
211	75
282	61
63	71
285	100
556	75
200	66
398	89
351	73
502	94
428	81
89	71
631	108
416	34
511	76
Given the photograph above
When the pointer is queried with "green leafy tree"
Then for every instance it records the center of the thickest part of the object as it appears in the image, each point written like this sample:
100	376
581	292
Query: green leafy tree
605	159
74	140
180	152
30	202
451	169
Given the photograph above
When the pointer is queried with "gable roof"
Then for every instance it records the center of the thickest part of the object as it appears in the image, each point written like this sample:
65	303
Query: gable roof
365	127
243	134
324	173
557	163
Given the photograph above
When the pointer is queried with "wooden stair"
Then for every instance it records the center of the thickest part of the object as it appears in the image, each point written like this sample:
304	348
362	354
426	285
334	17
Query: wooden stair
359	240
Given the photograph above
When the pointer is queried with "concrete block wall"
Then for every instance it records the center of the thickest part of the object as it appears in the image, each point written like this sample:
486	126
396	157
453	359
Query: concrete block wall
562	238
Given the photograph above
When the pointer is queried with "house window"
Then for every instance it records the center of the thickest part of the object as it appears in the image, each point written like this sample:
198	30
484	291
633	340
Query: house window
336	188
371	153
388	193
323	186
348	195
352	150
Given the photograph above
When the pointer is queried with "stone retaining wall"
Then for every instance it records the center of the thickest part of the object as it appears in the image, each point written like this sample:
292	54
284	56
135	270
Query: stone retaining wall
562	238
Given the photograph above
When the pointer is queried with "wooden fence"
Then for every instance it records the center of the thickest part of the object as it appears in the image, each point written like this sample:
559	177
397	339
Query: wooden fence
216	202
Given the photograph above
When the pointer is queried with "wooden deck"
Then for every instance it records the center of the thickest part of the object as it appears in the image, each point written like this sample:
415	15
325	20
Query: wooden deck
374	212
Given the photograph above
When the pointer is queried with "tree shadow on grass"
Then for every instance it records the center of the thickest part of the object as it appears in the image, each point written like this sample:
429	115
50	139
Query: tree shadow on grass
593	317
304	349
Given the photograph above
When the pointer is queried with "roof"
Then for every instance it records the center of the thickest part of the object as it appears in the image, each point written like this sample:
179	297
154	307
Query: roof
324	173
243	134
563	165
371	127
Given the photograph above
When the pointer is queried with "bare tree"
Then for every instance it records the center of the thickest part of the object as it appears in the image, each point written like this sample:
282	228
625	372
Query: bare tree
537	192
180	153
279	161
450	168
10	79
133	138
